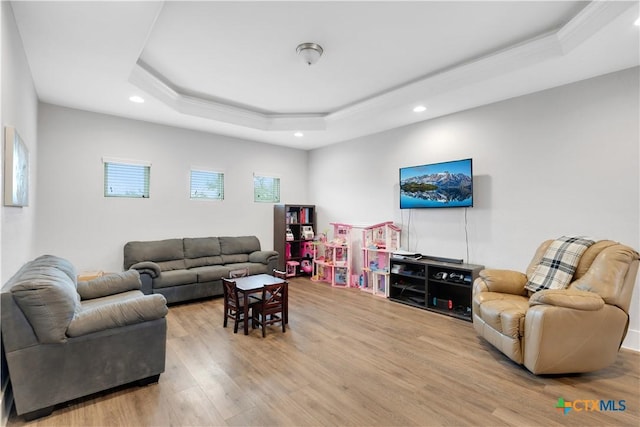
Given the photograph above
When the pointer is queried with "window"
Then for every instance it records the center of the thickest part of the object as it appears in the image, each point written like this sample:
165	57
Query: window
207	185
266	189
126	179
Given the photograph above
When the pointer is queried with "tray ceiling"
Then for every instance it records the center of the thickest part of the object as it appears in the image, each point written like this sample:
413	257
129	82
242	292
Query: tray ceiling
231	68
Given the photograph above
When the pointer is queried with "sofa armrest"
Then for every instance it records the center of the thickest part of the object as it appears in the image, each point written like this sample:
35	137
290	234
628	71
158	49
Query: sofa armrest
263	257
502	281
109	284
568	298
118	314
147	283
149	267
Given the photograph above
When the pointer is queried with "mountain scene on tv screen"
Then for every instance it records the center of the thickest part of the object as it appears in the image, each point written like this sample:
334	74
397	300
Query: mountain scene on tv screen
441	188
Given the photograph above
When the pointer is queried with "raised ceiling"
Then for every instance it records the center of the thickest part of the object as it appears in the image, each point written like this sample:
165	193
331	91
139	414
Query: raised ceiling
231	68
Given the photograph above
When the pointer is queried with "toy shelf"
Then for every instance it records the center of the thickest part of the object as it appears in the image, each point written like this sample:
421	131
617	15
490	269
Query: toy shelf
293	233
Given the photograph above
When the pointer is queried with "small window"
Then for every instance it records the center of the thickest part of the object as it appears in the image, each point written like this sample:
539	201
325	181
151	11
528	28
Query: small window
124	179
207	185
266	189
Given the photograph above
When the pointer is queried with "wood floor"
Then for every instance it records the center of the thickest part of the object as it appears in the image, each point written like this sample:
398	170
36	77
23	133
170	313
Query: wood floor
347	359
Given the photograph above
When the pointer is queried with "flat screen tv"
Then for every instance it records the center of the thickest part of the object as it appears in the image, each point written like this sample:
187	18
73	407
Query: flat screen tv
437	185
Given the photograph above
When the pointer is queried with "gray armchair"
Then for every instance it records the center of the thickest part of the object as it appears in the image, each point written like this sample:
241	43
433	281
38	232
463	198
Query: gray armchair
63	339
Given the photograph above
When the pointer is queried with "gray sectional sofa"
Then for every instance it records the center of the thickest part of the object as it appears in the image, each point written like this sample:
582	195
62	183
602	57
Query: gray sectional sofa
190	268
65	339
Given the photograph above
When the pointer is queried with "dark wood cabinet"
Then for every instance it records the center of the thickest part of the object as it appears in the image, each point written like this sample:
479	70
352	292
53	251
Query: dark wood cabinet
433	285
294	219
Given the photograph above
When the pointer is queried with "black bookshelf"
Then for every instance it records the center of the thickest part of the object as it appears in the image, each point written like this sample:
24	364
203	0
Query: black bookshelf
293	218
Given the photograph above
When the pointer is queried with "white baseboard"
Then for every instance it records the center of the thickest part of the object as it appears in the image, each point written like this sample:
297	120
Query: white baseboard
632	340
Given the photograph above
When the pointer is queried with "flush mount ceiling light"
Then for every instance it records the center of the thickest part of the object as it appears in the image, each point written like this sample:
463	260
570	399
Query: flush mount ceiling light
419	109
137	99
310	52
298	134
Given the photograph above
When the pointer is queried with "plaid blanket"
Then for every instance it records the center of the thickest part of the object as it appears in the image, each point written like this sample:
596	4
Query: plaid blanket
558	263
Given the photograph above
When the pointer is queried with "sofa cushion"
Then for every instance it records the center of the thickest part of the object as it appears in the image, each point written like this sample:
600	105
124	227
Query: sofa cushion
203	261
589	256
91	303
199	247
211	273
239	245
48	299
117	313
158	250
177	264
175	278
110	284
236	258
607	274
57	262
504	313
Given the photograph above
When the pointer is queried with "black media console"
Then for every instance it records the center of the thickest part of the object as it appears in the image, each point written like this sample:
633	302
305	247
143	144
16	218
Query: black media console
443	287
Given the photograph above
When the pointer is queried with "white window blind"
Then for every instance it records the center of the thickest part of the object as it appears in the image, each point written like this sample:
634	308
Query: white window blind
123	179
207	185
266	189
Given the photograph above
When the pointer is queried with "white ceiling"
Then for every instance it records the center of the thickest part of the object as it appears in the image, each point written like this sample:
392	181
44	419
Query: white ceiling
231	68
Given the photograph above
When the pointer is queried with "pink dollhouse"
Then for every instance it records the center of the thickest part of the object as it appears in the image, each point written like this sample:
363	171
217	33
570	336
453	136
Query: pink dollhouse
332	261
378	242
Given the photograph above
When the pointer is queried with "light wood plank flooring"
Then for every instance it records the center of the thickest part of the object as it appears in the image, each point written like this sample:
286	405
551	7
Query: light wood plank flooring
347	359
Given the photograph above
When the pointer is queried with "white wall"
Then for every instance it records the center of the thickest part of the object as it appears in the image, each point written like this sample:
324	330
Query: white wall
19	109
562	161
76	221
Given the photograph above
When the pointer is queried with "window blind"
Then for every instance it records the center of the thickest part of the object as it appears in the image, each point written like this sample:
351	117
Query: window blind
126	180
207	185
266	189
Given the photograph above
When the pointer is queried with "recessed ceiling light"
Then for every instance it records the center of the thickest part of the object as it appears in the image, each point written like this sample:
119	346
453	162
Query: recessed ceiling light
419	109
298	134
136	99
637	22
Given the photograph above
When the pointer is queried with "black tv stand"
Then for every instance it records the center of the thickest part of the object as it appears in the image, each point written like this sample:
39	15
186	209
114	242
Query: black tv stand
434	285
443	259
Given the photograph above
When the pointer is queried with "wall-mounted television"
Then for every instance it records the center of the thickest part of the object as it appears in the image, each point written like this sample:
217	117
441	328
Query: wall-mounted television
437	185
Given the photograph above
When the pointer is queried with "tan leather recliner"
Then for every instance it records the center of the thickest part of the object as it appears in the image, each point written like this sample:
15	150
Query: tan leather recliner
578	329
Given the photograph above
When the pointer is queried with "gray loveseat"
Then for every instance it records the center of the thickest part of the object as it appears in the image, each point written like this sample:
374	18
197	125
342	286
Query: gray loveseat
190	268
65	339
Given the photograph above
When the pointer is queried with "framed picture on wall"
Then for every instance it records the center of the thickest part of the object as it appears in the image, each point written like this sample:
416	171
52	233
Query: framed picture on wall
16	169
